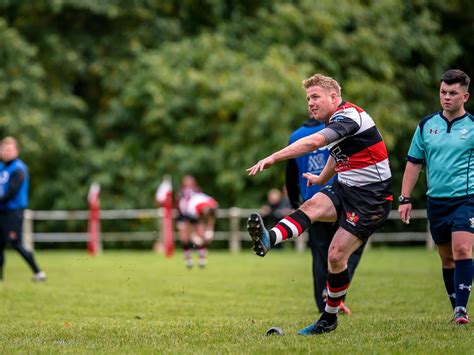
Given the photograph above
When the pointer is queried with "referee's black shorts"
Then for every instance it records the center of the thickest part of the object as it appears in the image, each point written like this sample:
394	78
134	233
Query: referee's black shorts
360	211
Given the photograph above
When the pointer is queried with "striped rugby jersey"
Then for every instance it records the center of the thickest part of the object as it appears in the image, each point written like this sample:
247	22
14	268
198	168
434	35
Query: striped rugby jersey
360	153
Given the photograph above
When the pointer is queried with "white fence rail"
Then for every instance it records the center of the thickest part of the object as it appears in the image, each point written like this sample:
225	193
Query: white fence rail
235	235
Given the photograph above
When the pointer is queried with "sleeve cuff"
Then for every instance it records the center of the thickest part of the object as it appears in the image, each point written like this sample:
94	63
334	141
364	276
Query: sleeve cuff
414	160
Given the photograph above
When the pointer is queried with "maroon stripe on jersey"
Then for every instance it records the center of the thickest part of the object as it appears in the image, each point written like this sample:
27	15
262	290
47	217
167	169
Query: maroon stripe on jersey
346	105
359	142
367	157
296	224
283	231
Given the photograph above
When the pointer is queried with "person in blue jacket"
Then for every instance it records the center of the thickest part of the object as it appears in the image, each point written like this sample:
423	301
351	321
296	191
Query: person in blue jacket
320	233
14	184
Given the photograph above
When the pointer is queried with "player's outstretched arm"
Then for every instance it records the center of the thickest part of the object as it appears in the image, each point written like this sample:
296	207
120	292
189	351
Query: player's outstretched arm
261	165
298	148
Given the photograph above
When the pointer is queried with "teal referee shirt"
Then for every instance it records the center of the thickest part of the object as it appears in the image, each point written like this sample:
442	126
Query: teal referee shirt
447	150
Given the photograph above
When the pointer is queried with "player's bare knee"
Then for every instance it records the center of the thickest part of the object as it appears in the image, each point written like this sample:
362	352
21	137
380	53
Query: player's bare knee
335	259
461	252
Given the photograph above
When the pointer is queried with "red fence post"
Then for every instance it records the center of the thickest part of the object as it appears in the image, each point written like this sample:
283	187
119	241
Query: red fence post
164	197
94	245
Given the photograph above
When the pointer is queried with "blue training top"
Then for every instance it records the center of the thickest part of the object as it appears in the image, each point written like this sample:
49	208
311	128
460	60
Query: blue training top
447	150
20	199
313	162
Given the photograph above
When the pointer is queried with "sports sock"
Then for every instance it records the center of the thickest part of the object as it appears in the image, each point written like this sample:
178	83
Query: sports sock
186	245
337	288
463	281
202	252
288	227
448	277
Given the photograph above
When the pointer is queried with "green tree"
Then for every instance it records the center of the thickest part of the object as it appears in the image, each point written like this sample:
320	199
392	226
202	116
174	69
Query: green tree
122	92
46	122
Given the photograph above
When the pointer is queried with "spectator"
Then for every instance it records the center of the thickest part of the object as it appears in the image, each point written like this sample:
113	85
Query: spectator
14	184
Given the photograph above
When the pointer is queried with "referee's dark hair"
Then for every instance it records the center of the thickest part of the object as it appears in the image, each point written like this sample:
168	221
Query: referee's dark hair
454	76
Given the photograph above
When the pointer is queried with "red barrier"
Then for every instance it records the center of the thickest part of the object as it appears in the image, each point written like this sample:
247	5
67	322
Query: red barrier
94	245
164	197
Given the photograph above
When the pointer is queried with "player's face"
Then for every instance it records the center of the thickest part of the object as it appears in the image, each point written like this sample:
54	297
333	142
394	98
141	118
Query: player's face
452	98
9	151
321	102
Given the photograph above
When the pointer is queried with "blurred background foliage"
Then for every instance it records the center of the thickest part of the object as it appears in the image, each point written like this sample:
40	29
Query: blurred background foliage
123	92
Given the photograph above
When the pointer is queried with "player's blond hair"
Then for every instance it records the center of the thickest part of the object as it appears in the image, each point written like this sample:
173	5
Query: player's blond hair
325	82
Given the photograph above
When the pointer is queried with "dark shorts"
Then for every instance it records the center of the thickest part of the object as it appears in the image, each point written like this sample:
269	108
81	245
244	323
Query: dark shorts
11	226
184	218
447	215
360	211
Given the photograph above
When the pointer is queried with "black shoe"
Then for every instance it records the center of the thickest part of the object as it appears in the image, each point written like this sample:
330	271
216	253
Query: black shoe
259	235
319	327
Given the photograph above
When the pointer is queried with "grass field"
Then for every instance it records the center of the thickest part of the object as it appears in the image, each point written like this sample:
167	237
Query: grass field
139	302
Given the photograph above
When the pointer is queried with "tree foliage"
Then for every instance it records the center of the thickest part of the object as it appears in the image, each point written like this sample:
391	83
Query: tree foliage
123	92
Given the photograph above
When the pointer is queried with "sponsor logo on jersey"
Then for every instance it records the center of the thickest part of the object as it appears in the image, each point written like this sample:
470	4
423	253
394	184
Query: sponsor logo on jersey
352	218
434	131
464	133
337	118
472	222
342	160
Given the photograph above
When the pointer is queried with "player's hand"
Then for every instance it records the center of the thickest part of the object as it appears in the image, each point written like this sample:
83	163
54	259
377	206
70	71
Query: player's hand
261	165
312	179
405	212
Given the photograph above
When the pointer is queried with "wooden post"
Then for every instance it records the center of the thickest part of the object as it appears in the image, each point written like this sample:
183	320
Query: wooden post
28	242
234	223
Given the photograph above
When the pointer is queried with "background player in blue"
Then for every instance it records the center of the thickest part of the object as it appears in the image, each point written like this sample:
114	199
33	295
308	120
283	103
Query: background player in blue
444	143
14	183
320	233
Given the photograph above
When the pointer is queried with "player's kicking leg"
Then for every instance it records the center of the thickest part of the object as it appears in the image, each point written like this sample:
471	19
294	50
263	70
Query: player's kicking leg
319	207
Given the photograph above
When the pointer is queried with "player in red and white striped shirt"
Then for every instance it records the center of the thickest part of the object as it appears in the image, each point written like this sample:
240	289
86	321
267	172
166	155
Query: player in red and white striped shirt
196	220
360	199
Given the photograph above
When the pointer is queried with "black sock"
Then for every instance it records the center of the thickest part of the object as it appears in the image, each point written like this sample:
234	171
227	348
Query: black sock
328	317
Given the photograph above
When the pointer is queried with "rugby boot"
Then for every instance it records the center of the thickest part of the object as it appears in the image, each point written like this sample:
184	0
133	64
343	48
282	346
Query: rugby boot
321	326
259	234
460	316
